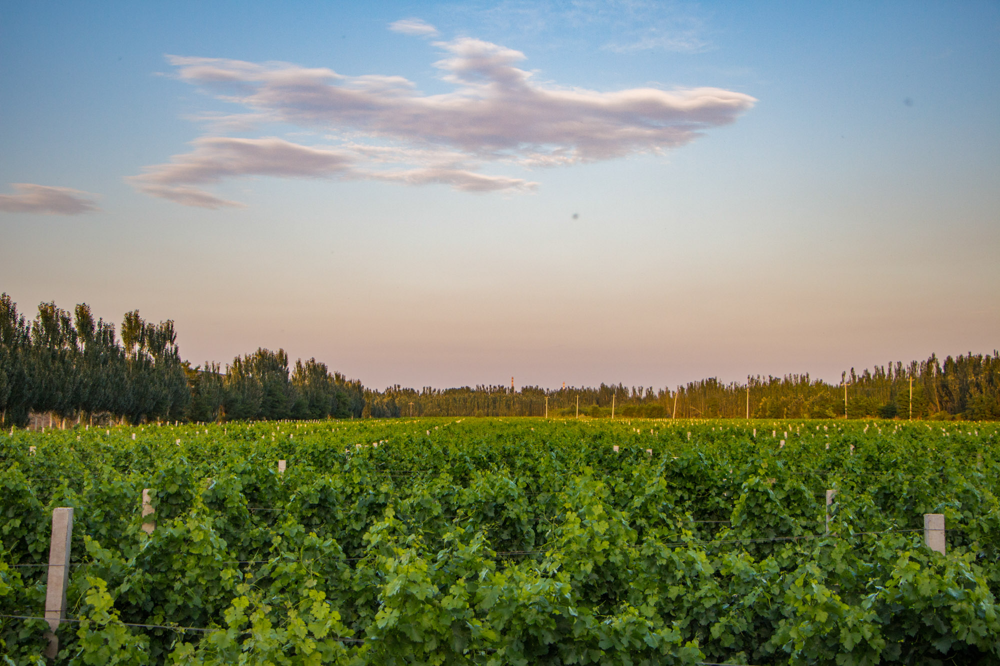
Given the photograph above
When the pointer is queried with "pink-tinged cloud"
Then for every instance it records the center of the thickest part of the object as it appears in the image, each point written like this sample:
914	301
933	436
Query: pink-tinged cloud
497	112
414	26
46	199
460	179
215	158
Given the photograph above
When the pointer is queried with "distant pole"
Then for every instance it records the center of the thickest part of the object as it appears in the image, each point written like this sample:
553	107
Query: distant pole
676	393
937	404
613	404
577	406
911	397
546	406
844	382
748	397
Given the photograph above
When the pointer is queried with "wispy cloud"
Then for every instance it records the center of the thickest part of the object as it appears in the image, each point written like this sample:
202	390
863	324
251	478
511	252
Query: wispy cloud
460	179
497	113
679	41
625	26
46	199
215	158
645	25
414	26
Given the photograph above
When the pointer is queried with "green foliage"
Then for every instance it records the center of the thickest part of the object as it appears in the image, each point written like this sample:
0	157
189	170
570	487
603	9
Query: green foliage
103	639
481	541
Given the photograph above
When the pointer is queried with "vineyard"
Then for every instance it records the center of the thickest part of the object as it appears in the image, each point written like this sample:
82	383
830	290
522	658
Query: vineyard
506	541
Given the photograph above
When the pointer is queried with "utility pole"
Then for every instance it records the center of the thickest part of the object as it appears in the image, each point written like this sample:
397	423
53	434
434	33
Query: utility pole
578	406
546	406
937	402
911	396
748	397
844	382
613	404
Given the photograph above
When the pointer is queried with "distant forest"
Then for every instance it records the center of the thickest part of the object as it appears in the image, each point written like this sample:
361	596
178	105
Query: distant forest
74	368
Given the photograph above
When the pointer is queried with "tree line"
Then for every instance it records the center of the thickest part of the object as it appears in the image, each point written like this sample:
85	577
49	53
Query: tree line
72	366
964	387
259	386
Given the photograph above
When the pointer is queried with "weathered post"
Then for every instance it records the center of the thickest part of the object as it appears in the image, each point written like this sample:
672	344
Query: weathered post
934	532
830	494
147	510
281	467
58	580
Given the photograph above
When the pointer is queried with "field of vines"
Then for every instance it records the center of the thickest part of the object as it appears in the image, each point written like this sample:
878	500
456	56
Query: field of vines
506	541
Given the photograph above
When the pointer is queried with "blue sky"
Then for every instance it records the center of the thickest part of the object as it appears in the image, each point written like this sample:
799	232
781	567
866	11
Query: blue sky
454	193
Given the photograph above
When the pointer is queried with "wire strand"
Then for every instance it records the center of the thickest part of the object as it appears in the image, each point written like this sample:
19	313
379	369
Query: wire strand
155	626
343	639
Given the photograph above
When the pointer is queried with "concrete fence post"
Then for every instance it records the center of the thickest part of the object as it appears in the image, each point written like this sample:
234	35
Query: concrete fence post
830	494
934	532
281	467
58	580
147	510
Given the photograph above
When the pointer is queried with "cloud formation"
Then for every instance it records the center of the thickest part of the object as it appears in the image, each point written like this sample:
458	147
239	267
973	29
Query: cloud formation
388	130
414	26
215	158
46	199
460	179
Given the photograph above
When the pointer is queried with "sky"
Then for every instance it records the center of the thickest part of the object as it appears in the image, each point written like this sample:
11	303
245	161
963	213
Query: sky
449	194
